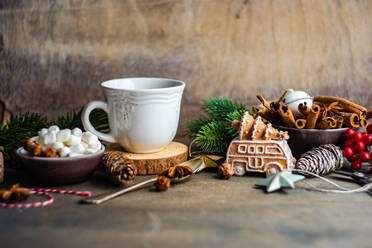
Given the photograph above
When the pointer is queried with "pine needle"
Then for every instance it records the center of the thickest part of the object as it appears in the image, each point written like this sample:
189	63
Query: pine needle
214	133
17	128
195	125
212	137
218	108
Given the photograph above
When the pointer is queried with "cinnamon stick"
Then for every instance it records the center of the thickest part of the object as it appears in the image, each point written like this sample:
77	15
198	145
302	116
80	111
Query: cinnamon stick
264	113
339	121
265	103
312	117
304	110
347	105
287	116
327	123
300	123
351	119
275	109
363	122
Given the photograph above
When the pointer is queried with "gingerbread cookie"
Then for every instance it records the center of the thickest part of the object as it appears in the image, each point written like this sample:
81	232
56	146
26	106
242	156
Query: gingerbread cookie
260	148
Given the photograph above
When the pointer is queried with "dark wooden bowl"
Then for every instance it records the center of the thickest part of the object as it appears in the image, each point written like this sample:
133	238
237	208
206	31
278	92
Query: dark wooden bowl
303	140
57	171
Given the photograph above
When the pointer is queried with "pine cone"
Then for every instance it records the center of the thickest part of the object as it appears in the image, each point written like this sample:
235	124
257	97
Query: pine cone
225	171
163	183
120	169
321	160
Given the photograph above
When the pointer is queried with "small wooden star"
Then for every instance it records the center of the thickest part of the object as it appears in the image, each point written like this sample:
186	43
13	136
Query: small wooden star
280	180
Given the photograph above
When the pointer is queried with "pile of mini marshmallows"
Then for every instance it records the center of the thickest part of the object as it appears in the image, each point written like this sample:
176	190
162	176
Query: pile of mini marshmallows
69	143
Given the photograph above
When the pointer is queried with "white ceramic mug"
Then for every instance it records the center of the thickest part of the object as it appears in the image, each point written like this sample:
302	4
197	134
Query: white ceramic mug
143	112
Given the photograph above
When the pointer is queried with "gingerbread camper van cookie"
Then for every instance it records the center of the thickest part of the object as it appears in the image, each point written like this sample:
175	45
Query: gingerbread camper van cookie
259	148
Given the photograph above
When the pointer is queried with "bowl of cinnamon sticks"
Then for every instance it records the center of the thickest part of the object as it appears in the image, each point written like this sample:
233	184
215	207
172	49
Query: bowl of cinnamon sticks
324	121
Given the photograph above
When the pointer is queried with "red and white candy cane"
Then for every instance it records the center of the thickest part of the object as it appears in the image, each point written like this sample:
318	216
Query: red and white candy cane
44	203
59	191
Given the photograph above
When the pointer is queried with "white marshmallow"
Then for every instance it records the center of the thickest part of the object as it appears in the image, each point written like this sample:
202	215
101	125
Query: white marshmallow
63	135
53	128
77	131
85	145
74	154
90	151
58	145
73	140
49	138
40	140
95	145
42	132
88	137
79	148
65	151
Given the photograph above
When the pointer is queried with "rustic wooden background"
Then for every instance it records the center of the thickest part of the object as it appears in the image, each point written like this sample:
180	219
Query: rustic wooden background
54	53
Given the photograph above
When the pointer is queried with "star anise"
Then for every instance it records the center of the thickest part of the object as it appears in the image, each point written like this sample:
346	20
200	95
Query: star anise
14	194
162	183
177	171
331	110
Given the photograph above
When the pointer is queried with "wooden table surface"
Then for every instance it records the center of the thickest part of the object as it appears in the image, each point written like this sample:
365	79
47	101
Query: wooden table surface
202	212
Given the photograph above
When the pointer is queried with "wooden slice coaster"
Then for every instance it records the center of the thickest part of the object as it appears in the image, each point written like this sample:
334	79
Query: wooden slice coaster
154	163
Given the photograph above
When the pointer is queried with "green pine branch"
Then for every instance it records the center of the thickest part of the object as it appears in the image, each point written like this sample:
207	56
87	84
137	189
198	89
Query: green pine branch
219	107
212	137
214	133
18	128
27	125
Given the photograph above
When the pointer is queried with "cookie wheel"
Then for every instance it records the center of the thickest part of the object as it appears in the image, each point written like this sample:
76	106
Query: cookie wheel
239	169
272	168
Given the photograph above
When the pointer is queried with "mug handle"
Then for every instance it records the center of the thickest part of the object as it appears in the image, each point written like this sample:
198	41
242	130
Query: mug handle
89	127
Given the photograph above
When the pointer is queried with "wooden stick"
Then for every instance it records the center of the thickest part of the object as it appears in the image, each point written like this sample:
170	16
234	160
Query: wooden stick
312	117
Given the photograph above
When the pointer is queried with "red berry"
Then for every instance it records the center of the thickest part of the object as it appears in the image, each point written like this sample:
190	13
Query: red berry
356	165
349	133
367	139
365	156
353	158
348	152
359	146
348	143
357	137
369	128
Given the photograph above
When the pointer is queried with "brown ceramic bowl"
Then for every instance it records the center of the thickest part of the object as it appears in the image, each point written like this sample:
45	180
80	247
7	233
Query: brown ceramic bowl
303	140
56	171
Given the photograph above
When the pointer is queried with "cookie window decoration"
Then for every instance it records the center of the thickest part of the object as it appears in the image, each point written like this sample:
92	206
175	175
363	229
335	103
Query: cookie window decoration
259	148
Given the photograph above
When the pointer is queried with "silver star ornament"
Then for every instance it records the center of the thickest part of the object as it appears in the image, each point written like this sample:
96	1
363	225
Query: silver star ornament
280	180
